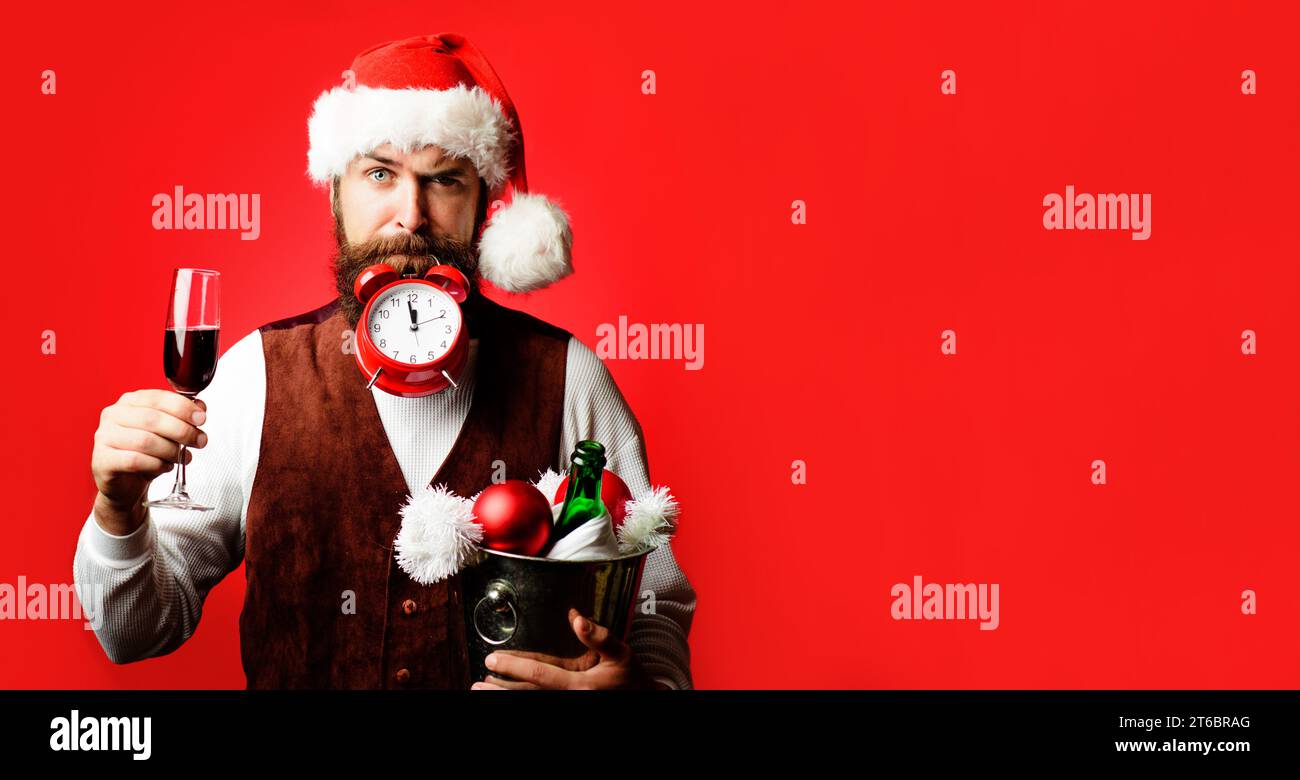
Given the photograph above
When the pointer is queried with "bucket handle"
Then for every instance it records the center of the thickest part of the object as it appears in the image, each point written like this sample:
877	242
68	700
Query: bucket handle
492	609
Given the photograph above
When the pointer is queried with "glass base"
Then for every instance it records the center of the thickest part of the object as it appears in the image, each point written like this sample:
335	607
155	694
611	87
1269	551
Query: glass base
179	502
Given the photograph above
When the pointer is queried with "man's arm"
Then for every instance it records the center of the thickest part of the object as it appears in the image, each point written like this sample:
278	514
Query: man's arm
595	409
156	577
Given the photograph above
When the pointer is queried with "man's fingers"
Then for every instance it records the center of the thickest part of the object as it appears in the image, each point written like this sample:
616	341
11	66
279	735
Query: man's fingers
528	670
146	442
162	423
598	638
512	685
486	686
174	404
136	462
543	657
579	663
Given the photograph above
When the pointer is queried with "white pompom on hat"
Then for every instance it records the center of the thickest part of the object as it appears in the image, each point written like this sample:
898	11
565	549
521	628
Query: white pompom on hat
440	90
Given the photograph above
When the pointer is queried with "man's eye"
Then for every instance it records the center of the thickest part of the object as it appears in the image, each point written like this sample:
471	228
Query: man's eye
379	171
447	180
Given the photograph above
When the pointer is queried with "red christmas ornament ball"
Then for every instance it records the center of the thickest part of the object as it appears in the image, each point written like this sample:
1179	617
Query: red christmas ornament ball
613	492
515	516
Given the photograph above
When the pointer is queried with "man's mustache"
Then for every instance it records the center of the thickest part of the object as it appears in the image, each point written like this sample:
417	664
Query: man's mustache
408	253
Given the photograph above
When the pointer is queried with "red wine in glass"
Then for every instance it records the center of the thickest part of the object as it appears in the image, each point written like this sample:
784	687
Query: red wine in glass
190	358
190	345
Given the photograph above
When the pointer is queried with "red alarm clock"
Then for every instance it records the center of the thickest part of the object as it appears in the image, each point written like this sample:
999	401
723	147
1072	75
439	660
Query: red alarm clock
411	339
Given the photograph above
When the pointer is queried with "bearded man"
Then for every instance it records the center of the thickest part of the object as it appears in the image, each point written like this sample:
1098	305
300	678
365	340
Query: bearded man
306	463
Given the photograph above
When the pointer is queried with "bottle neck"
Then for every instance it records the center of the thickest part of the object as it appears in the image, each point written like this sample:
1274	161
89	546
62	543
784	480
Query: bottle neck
584	481
582	499
587	468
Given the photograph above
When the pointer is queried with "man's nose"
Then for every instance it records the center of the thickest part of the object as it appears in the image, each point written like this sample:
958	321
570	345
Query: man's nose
410	209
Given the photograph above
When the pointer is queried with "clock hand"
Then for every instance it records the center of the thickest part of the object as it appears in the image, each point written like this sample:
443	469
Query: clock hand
414	325
431	319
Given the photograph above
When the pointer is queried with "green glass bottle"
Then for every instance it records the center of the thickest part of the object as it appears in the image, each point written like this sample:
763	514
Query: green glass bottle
582	499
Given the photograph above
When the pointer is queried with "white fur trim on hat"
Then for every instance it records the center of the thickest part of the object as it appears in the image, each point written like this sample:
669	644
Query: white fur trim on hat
527	244
465	122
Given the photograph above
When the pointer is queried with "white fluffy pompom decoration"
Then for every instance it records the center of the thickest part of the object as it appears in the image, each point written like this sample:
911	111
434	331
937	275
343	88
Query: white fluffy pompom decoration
527	245
438	535
650	521
548	482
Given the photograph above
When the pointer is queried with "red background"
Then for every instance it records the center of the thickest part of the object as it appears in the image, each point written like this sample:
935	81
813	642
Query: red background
822	341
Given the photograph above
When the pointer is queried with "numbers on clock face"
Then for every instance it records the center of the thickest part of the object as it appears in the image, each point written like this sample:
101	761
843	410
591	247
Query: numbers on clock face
432	312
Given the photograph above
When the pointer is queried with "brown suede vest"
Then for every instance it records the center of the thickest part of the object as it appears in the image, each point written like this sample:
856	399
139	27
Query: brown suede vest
326	605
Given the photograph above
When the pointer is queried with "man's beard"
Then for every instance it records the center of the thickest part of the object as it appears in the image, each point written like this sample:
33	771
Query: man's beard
407	253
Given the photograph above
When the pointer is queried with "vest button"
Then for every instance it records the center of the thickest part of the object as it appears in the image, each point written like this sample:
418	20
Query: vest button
409	607
403	676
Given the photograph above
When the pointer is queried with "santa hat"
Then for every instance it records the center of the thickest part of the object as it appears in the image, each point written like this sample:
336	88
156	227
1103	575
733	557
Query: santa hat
440	90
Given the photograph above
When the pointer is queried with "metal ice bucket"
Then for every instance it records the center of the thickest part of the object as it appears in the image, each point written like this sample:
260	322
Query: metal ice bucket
518	602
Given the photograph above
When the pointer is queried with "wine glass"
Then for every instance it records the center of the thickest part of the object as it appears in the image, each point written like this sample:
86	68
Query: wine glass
190	352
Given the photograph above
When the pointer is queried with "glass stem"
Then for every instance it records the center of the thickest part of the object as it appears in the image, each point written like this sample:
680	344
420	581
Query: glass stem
179	488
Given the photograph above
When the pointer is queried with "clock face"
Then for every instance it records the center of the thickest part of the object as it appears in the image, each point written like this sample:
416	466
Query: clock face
413	323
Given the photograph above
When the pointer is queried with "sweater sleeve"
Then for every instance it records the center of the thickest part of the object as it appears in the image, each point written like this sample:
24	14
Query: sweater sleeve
596	409
154	580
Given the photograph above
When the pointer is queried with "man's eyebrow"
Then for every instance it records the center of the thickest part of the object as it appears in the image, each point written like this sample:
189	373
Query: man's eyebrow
448	164
453	167
383	160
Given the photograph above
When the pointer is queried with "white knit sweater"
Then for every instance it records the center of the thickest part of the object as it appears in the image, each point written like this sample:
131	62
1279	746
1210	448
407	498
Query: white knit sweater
156	578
